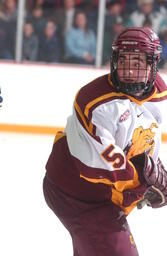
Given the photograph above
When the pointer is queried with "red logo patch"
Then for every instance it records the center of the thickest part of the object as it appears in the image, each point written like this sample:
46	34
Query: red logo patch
124	116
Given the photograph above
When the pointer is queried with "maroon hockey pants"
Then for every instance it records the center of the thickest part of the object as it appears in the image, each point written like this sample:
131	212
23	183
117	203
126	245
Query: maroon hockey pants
96	229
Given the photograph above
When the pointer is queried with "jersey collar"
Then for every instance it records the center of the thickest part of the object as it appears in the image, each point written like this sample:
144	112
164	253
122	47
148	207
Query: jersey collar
139	101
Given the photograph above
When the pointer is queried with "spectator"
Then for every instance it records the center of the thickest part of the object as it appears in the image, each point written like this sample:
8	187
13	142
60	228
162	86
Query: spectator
114	9
80	41
30	43
47	8
35	3
91	10
38	20
50	44
147	22
8	11
114	23
114	13
161	5
130	6
50	6
8	14
65	15
163	39
146	10
5	47
109	35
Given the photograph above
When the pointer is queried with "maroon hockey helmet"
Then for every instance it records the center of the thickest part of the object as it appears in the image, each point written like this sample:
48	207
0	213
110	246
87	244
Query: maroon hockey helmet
136	40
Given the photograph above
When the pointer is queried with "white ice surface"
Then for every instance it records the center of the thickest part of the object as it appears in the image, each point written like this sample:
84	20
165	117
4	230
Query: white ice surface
29	228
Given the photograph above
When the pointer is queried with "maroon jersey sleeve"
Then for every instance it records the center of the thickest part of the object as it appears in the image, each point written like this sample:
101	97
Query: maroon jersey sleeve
161	87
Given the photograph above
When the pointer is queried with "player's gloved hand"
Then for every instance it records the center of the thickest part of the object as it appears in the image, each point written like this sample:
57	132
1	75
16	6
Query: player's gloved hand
152	197
156	177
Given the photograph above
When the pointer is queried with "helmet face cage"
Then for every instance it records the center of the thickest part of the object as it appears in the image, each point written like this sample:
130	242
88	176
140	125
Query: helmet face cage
132	87
133	43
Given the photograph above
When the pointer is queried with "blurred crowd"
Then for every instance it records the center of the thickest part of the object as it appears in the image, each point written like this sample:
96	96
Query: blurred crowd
65	31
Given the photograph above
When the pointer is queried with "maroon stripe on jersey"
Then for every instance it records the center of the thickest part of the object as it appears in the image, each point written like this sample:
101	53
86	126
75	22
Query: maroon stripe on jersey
98	173
160	84
101	86
161	90
129	196
63	172
93	133
104	101
93	90
89	93
159	98
81	120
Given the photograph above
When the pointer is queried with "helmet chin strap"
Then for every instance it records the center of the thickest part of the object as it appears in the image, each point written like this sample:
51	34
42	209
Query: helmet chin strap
133	88
130	88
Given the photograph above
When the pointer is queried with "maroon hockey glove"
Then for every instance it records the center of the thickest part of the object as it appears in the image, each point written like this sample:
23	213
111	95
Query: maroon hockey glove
152	197
156	178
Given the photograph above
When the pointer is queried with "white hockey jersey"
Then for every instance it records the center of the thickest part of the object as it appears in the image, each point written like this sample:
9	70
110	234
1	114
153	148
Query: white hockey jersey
92	160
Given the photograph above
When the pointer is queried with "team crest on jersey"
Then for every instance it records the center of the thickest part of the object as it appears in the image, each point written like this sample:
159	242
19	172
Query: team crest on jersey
143	140
124	116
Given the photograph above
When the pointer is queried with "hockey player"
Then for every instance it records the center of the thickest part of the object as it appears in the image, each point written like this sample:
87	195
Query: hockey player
108	158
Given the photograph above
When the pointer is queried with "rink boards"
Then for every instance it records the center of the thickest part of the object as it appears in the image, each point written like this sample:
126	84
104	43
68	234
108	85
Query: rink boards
38	98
